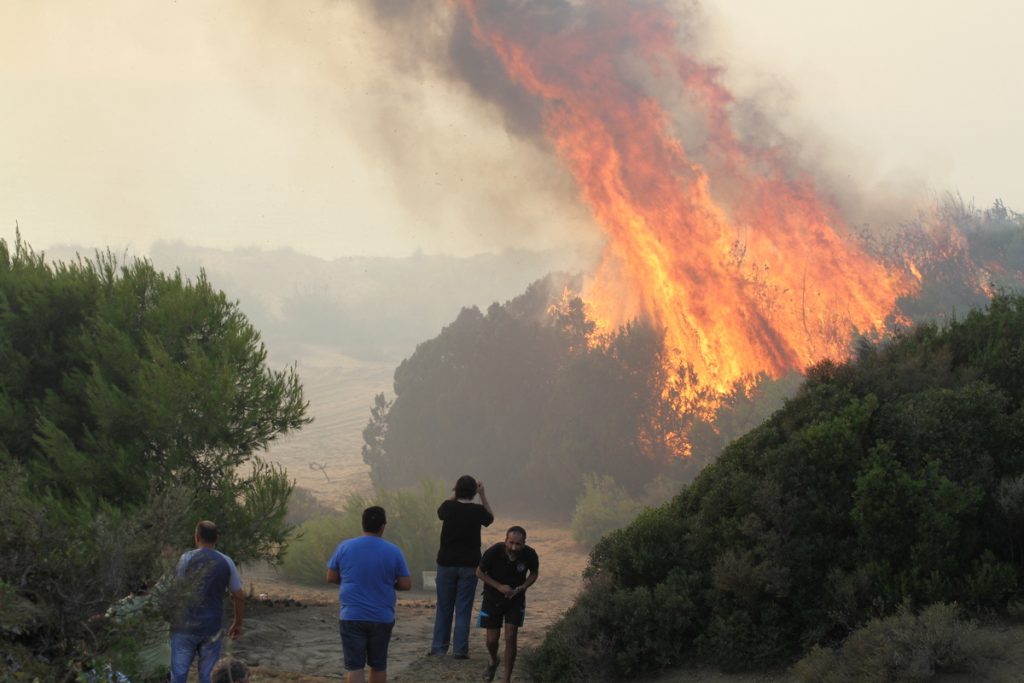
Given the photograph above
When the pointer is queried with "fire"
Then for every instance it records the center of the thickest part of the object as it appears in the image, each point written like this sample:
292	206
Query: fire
722	243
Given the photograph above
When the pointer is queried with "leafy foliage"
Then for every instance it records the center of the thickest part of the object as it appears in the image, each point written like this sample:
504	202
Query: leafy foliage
132	403
528	395
887	481
603	507
303	505
903	647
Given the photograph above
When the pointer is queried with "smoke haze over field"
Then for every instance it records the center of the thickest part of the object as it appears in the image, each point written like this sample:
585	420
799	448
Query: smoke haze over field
363	128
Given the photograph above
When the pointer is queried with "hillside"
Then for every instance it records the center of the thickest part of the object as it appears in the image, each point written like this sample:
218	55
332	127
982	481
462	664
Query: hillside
892	481
339	398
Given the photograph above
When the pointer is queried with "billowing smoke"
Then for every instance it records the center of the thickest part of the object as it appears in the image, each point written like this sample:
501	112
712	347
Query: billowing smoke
716	227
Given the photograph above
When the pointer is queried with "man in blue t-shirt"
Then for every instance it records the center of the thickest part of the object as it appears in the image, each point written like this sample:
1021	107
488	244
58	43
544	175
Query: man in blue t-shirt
198	630
369	570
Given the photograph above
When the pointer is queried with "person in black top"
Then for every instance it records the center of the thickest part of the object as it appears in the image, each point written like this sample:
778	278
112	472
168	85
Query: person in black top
457	559
507	570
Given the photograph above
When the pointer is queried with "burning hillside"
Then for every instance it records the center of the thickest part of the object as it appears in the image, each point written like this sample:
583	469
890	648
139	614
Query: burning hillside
720	241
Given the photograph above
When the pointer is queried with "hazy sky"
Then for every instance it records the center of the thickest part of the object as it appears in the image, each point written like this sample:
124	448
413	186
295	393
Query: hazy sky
303	124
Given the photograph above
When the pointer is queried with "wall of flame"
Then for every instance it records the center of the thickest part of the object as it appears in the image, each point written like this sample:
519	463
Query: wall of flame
720	240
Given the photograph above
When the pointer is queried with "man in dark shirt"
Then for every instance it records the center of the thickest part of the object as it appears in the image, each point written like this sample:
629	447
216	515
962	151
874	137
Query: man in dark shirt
507	570
198	633
457	559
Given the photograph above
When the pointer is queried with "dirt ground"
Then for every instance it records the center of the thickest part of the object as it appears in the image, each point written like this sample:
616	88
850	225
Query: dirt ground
291	632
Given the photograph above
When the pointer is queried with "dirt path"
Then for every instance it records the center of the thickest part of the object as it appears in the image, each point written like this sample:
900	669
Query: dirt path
291	634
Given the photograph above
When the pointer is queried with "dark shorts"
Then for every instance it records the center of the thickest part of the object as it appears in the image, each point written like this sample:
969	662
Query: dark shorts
496	611
365	642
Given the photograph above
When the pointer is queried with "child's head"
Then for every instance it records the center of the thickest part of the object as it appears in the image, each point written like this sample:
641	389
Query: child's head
231	671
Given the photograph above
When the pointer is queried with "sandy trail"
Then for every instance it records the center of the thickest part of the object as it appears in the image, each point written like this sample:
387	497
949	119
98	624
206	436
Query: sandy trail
294	631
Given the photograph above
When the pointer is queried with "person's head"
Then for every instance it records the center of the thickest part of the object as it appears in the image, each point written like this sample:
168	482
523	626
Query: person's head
515	539
206	532
465	487
374	519
231	671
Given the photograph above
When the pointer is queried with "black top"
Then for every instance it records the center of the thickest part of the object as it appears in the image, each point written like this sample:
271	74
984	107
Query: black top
495	563
460	533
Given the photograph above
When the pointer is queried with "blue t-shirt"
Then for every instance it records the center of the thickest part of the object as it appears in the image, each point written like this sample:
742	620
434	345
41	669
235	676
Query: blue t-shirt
369	567
213	571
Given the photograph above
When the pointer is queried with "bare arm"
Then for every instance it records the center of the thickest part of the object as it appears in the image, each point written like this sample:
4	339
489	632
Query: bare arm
333	576
530	580
238	598
403	583
483	498
493	583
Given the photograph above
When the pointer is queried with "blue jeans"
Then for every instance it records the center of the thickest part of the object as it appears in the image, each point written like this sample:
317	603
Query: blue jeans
456	587
185	647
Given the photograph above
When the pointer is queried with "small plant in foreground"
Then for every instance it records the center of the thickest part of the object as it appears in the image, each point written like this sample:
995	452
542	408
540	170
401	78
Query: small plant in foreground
903	647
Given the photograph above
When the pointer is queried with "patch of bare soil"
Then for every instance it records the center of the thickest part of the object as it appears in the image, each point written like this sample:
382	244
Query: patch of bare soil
291	631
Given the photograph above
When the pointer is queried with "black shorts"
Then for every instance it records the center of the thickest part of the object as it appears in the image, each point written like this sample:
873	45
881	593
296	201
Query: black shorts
496	611
365	642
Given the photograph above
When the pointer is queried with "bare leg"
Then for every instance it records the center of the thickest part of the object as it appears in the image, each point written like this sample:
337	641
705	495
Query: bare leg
492	644
378	676
511	644
355	677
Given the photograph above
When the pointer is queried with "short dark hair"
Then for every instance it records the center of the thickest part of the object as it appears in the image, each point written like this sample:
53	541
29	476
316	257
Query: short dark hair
206	531
516	530
231	671
374	519
465	487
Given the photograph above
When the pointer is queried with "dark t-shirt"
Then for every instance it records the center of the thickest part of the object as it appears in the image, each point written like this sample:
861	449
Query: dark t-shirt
495	563
212	572
460	533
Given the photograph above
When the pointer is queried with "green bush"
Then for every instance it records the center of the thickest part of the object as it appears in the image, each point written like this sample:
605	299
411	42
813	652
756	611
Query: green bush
890	480
612	632
304	506
132	404
313	544
77	566
603	507
903	647
412	525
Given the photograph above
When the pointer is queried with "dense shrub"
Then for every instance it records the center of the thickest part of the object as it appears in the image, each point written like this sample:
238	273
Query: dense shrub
527	394
312	545
304	506
63	573
889	480
903	647
603	507
412	525
132	404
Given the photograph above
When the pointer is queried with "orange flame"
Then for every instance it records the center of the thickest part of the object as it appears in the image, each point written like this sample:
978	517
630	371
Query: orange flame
737	256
